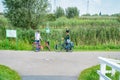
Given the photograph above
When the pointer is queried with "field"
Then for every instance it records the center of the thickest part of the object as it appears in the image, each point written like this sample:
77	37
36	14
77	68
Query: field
87	33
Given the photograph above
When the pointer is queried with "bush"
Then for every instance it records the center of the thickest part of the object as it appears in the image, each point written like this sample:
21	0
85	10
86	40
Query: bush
51	17
11	44
3	21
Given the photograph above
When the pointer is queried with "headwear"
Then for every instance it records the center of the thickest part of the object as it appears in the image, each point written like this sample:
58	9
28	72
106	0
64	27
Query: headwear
67	31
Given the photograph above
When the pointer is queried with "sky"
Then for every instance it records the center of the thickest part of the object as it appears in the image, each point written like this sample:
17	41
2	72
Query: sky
95	6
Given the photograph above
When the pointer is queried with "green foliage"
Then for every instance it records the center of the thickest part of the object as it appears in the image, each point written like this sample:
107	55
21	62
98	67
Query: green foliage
87	33
104	15
106	47
117	14
59	12
72	12
26	35
51	17
3	21
86	15
1	13
26	13
92	35
8	74
25	38
3	24
91	74
118	18
95	15
2	32
12	44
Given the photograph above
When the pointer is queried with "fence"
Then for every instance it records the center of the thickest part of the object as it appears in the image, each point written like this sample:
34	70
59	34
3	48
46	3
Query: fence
114	64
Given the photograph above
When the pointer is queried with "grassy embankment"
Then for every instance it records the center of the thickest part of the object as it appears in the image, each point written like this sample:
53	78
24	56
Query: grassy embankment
8	74
91	74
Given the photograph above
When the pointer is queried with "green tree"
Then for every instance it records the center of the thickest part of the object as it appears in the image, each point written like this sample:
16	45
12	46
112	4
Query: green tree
95	15
86	14
118	18
116	14
1	13
72	12
26	13
59	12
51	17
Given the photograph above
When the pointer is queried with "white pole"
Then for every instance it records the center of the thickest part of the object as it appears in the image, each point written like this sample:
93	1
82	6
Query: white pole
113	72
102	70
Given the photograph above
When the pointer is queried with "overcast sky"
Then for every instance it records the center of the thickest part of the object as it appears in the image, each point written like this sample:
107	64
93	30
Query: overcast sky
95	6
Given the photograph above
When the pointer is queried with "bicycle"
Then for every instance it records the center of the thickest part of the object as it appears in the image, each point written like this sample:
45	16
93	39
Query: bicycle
64	47
36	46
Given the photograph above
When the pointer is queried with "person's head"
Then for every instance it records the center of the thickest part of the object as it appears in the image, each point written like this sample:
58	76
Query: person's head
37	31
67	32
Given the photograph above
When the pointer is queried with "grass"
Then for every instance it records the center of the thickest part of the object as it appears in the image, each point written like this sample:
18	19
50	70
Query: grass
15	45
87	33
98	47
11	44
8	74
91	74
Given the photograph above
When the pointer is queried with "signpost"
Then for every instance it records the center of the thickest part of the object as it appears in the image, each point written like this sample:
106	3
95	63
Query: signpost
11	34
47	30
47	36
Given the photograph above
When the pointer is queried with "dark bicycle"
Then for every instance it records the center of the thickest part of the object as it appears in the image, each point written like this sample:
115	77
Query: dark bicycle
64	47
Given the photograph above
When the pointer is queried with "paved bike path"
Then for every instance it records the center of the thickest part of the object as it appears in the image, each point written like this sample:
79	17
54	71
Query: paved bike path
52	65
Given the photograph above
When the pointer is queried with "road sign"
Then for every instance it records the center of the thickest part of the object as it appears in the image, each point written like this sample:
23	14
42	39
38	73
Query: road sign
47	30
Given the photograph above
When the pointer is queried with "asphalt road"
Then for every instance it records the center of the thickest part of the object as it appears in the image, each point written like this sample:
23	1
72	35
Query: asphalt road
52	65
49	77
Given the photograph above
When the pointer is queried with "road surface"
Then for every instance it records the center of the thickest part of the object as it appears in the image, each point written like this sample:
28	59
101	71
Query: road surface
52	65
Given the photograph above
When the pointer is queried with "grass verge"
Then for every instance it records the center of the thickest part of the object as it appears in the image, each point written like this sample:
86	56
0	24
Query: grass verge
8	74
91	74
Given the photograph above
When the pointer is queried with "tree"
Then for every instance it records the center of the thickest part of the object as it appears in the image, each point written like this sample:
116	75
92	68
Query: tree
95	15
72	12
59	12
105	15
116	14
86	14
25	13
100	14
118	18
1	13
51	17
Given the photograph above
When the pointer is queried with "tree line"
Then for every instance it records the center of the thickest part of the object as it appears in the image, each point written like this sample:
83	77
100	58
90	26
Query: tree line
32	13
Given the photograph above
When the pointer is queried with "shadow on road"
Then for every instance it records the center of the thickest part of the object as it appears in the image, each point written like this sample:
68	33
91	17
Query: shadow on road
30	77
